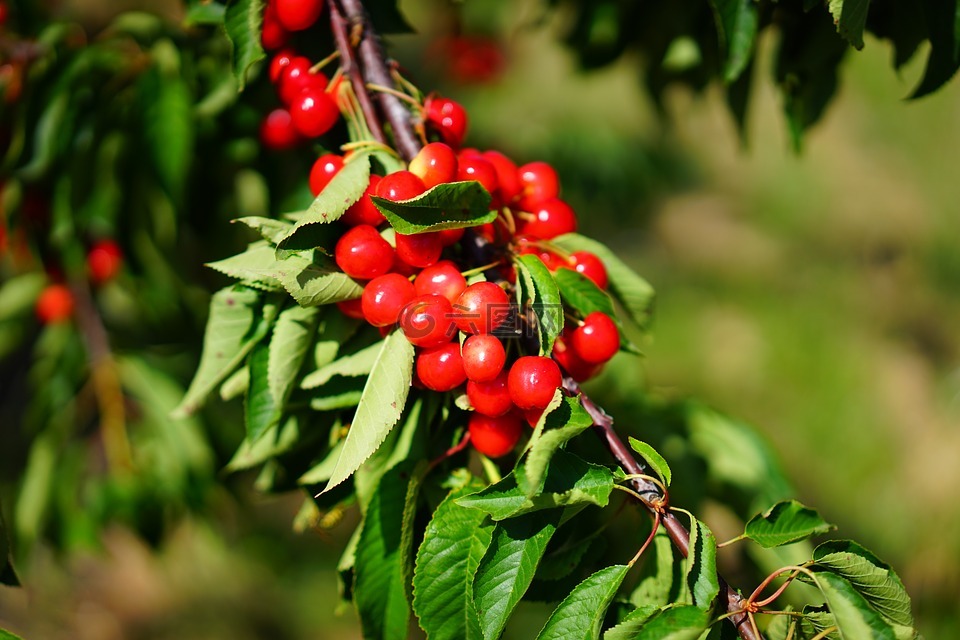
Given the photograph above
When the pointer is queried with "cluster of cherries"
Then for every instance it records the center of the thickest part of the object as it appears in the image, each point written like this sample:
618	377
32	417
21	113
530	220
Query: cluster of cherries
55	303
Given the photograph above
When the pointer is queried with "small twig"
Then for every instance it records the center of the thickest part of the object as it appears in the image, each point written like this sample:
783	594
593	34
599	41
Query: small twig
452	451
646	543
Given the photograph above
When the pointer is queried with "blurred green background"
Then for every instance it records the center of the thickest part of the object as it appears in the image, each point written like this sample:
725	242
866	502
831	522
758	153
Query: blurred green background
813	295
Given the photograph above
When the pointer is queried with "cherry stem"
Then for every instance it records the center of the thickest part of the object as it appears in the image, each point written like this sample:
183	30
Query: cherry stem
398	94
338	24
452	451
330	58
646	543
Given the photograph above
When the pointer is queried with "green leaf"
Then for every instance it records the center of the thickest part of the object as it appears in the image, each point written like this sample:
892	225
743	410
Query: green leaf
943	26
737	22
785	522
452	205
207	14
381	405
854	617
7	574
569	480
234	326
454	543
379	589
278	440
552	431
653	459
339	393
168	126
633	292
346	188
850	17
581	294
6	635
353	365
701	578
580	615
627	628
243	22
269	229
537	288
292	335
870	576
19	293
664	581
508	567
673	622
261	411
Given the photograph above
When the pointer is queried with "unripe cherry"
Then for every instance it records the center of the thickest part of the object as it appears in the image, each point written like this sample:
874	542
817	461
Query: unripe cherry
297	15
435	163
363	211
400	185
597	339
384	297
323	170
540	182
362	253
441	368
483	357
551	218
419	249
55	304
532	381
277	132
491	398
481	308
448	118
443	279
589	266
494	437
104	261
314	112
427	321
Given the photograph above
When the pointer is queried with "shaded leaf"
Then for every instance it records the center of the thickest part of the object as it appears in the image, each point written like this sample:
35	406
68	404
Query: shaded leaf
850	17
168	127
580	615
581	294
673	622
261	411
243	22
737	24
292	335
653	459
354	364
270	229
7	574
537	288
663	582
785	522
452	205
701	578
627	628
555	429
943	28
854	617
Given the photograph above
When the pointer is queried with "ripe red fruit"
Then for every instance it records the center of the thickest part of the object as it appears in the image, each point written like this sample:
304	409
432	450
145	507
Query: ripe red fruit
441	368
481	308
476	167
589	266
597	339
314	112
55	304
532	416
277	132
279	62
420	249
494	437
296	77
532	381
483	357
352	308
552	218
567	358
450	236
528	245
323	171
442	279
436	163
448	118
297	15
363	211
400	185
362	253
491	398
104	261
427	321
507	177
273	36
540	182
384	297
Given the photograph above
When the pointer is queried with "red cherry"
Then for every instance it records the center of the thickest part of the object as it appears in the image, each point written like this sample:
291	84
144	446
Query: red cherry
323	170
589	266
427	321
442	279
297	15
450	236
481	308
273	36
363	211
362	253
295	77
404	269
104	261
491	398
352	308
597	339
528	245
483	357
448	118
441	368
487	231
384	297
494	437
475	167
314	112
55	304
507	177
532	381
277	132
567	358
436	163
552	218
401	185
419	249
280	62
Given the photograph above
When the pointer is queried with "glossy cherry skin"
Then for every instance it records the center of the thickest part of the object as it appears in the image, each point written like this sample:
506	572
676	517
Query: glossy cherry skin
436	163
540	182
443	279
363	211
571	363
295	77
597	339
507	177
551	218
532	381
362	253
273	36
483	357
352	308
297	15
323	170
427	321
476	167
55	304
481	308
450	236
441	368
448	118
419	249
589	266
277	132
104	261
400	185
384	297
491	398
314	112
279	62
529	245
494	437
